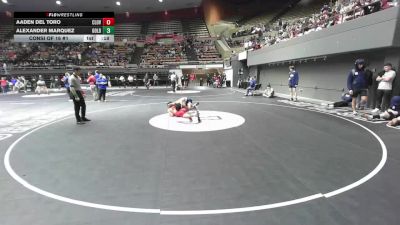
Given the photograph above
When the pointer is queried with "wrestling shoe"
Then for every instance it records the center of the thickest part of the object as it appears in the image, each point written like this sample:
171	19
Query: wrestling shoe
354	113
375	111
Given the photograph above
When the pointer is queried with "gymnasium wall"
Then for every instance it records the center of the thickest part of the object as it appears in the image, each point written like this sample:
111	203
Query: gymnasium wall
324	79
324	58
376	31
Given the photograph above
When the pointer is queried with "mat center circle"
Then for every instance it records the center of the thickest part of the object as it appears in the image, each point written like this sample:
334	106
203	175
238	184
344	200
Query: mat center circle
210	121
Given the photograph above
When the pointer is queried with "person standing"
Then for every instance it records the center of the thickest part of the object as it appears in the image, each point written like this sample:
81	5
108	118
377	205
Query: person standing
77	96
102	84
23	83
65	80
92	84
192	77
57	82
14	84
384	91
146	81
155	80
209	82
173	79
293	83
122	81
5	68
41	86
357	85
179	81
52	82
96	87
186	80
4	84
33	83
135	80
130	81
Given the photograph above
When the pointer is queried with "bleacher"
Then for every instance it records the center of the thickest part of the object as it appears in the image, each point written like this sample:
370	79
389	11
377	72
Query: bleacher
173	26
158	55
127	31
265	18
205	49
196	27
303	9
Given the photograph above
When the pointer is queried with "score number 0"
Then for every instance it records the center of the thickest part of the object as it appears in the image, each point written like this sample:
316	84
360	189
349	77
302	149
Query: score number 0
108	21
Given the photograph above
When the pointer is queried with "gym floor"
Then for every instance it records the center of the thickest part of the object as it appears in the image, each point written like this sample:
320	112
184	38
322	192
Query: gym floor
252	160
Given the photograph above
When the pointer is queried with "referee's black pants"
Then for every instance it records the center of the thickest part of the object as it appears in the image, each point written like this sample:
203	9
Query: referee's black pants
79	106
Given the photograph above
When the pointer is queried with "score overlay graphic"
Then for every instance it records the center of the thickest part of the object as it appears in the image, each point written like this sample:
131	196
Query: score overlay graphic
64	27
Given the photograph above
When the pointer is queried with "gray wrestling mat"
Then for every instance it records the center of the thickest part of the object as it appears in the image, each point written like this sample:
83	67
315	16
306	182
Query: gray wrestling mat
250	161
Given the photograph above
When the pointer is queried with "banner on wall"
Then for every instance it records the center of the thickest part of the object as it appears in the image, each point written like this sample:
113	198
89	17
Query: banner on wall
242	55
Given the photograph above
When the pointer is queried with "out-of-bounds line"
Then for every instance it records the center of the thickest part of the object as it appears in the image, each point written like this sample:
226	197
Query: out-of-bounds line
27	185
362	180
197	212
240	210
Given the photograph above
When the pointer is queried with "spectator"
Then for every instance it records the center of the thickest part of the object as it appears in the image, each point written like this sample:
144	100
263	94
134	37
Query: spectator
52	82
13	84
130	80
102	83
5	68
384	89
346	101
135	79
4	85
155	80
41	86
179	81
269	92
391	113
146	81
357	85
122	81
92	84
293	83
173	79
193	77
252	86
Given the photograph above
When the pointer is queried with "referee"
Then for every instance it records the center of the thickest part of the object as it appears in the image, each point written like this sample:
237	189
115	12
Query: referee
77	96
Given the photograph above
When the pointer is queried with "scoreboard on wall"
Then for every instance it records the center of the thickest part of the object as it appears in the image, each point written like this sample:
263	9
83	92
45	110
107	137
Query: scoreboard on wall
64	26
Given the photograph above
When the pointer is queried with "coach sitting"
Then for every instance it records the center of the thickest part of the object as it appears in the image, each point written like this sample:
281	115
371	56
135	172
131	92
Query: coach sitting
252	86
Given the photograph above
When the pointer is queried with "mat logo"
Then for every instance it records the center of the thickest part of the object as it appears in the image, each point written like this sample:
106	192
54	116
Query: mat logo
210	121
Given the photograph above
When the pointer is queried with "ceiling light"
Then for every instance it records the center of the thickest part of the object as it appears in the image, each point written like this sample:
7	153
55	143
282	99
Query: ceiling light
160	0
58	2
4	1
118	3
